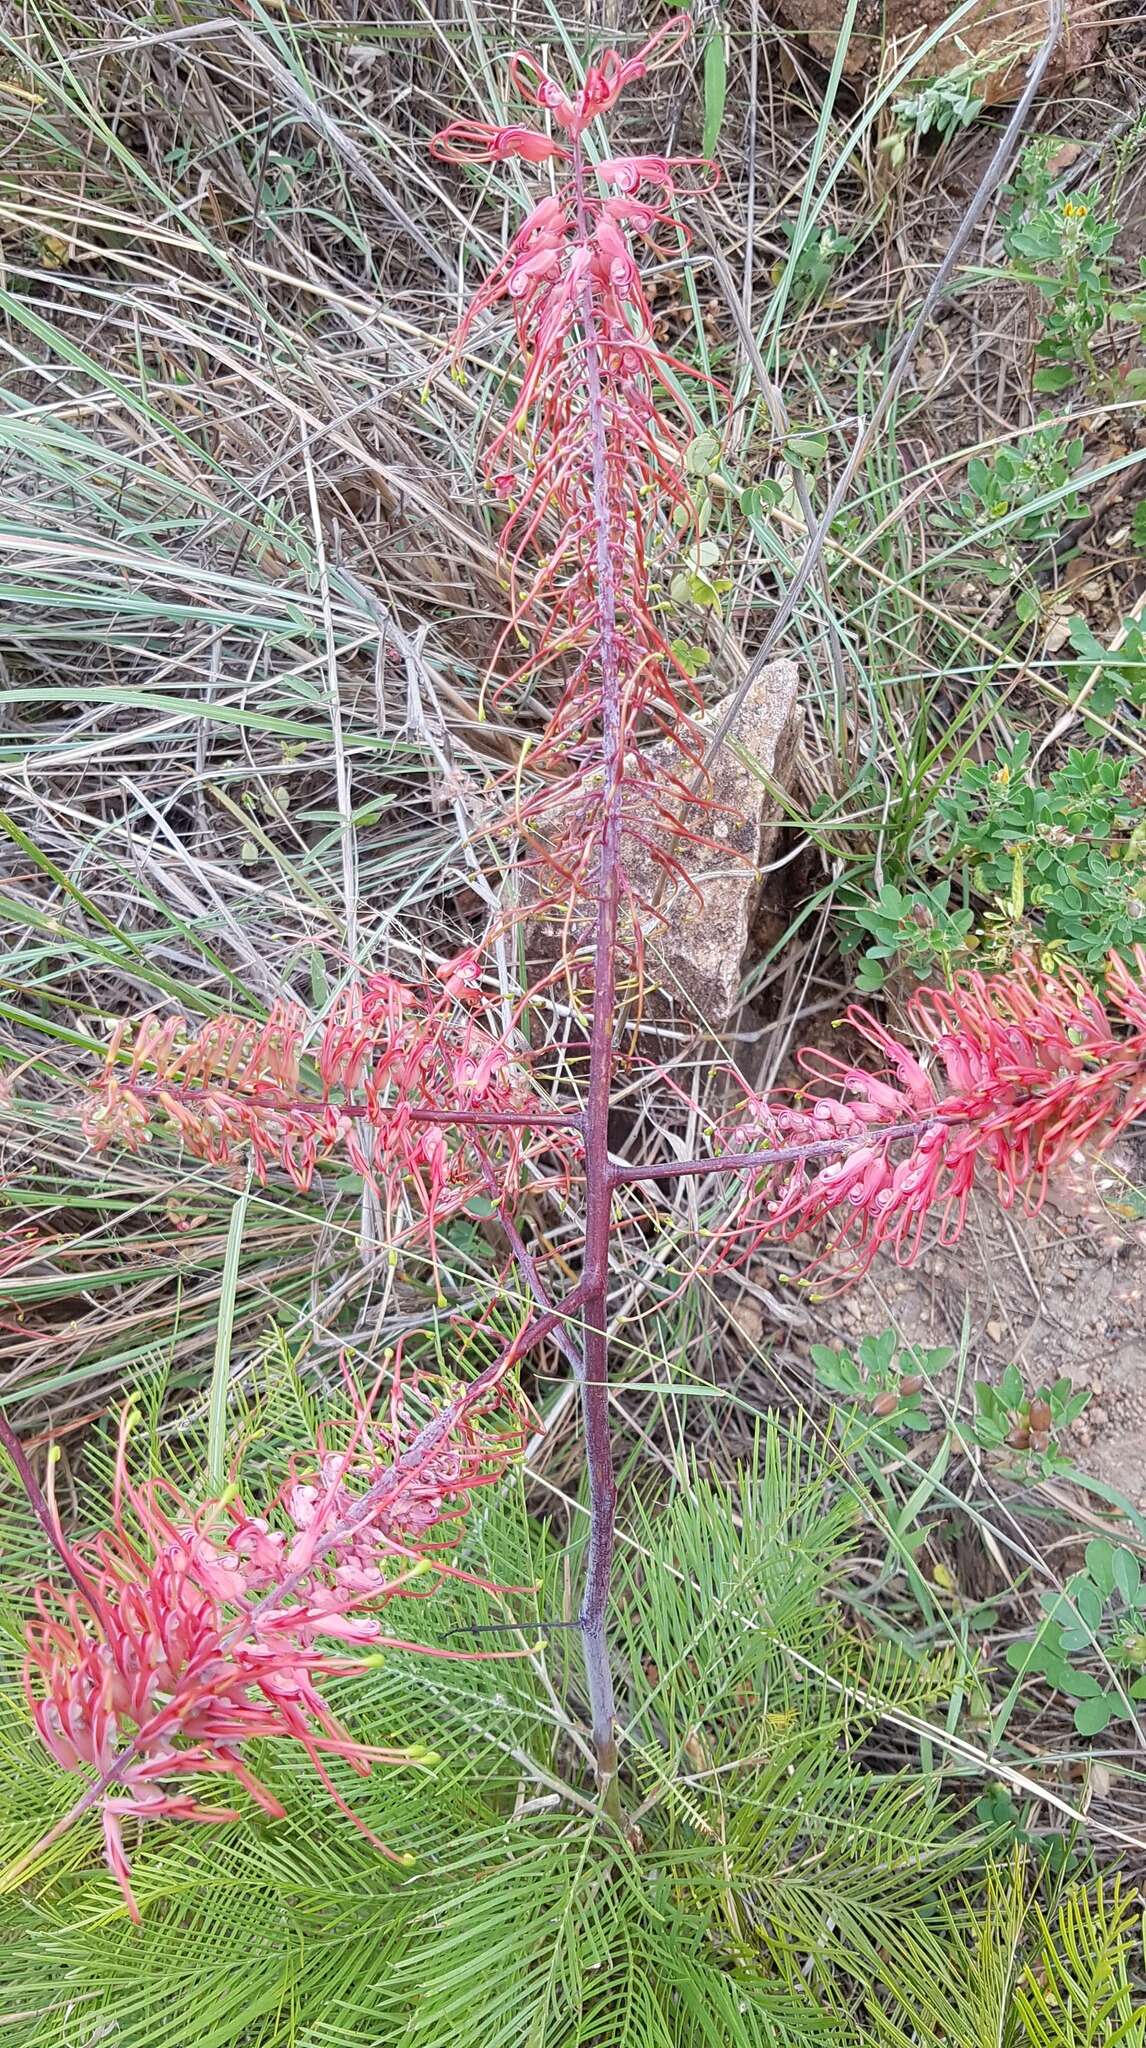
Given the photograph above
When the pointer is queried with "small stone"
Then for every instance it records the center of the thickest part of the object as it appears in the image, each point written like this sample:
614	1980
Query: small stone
1100	1781
995	1330
699	942
748	1317
696	937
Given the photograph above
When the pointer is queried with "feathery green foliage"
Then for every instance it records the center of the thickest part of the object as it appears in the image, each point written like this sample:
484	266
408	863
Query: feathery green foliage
794	1872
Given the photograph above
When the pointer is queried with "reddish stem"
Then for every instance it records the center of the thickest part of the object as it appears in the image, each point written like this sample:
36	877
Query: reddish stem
621	1173
598	1179
527	1267
43	1513
284	1105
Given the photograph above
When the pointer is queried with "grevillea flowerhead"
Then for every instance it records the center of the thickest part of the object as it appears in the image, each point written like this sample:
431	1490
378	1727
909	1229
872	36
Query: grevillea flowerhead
1015	1071
187	1632
589	464
411	1087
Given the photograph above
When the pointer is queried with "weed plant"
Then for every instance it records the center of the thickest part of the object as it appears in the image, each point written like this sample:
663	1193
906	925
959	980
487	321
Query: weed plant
708	1743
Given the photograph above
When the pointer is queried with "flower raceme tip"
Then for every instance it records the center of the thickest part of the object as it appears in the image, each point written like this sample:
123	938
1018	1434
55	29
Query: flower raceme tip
477	142
588	481
605	78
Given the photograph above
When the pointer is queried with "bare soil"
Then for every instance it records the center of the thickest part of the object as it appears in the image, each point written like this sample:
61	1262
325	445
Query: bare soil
1063	1292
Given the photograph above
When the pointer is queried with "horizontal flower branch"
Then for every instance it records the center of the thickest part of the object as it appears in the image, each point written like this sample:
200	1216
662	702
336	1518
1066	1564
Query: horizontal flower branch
1033	1064
426	1068
623	1174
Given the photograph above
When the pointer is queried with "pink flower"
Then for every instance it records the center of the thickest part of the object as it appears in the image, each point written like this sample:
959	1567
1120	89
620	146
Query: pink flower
476	142
1033	1067
188	1632
613	263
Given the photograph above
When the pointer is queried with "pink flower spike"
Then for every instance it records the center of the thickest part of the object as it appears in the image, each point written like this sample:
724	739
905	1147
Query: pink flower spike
199	1629
415	1067
1033	1068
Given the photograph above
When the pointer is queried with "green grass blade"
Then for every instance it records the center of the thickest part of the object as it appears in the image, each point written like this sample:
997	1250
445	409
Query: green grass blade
221	1368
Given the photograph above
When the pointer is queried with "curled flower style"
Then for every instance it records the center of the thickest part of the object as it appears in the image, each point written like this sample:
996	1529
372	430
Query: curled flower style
189	1631
427	1071
477	142
604	79
1033	1065
629	173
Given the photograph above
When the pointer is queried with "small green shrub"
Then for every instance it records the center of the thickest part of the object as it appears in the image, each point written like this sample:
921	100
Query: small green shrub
882	1377
887	1381
811	264
1101	1612
915	929
1057	868
1061	244
1012	484
1011	1419
1065	860
941	108
1120	684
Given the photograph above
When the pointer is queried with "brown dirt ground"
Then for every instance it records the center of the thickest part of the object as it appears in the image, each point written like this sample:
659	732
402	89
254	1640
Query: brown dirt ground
1063	1292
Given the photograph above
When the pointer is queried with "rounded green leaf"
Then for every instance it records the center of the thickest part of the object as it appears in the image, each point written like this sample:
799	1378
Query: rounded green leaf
1092	1716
